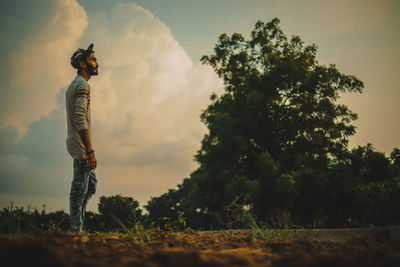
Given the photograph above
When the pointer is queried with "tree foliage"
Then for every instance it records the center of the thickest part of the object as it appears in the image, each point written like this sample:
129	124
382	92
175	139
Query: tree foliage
17	220
276	125
118	212
277	136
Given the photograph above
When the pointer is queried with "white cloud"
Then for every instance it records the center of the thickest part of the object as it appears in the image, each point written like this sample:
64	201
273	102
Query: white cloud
39	68
148	90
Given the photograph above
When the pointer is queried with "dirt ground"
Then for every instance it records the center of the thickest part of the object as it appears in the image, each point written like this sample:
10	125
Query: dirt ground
192	248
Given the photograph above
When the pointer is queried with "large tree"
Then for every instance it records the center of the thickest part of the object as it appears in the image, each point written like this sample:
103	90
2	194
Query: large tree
276	127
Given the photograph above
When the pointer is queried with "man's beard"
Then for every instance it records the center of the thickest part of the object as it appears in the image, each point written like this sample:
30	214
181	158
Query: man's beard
92	71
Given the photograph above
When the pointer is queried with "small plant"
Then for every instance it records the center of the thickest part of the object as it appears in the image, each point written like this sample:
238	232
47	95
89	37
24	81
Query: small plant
138	232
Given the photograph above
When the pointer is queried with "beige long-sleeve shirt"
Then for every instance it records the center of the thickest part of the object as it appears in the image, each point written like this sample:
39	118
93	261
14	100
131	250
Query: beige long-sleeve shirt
78	116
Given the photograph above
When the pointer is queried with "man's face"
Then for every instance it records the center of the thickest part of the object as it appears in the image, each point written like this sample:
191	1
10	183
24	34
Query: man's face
92	64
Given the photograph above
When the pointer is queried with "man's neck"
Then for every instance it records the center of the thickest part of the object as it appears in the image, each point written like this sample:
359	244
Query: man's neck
84	75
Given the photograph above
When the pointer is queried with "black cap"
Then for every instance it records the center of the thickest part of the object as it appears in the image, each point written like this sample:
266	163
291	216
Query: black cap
80	54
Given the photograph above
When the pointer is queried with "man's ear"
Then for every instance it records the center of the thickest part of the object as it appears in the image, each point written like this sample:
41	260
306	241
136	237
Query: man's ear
82	64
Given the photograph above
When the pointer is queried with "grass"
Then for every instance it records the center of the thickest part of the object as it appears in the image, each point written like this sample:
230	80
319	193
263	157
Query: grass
17	223
138	233
268	234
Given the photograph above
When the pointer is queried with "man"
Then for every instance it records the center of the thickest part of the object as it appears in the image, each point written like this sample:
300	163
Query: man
79	139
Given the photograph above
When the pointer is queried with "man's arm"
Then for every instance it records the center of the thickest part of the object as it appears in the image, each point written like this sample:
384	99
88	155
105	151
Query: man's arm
79	120
92	161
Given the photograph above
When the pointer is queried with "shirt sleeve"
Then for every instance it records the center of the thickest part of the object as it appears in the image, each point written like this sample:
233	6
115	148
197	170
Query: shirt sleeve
81	107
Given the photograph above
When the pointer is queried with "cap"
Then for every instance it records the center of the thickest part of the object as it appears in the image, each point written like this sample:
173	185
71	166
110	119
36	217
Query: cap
79	55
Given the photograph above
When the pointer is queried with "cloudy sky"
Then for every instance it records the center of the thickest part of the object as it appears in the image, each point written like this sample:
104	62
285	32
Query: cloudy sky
147	100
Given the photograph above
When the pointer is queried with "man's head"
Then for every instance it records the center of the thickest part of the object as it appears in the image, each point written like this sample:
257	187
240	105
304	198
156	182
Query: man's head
85	62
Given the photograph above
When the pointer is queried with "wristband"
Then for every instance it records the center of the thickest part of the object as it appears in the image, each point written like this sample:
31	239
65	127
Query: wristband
90	154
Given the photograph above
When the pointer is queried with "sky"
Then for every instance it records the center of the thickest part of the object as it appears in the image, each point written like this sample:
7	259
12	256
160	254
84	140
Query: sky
152	87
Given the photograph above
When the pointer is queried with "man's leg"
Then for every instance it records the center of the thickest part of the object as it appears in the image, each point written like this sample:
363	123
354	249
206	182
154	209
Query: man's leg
79	188
92	183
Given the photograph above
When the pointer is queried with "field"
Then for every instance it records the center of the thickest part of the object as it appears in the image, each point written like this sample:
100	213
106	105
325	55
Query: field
192	248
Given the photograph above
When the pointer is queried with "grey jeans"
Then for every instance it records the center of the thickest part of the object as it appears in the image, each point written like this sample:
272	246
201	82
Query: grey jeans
82	188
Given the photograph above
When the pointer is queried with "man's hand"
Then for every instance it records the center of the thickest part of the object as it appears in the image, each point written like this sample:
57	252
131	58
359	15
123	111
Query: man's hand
91	160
